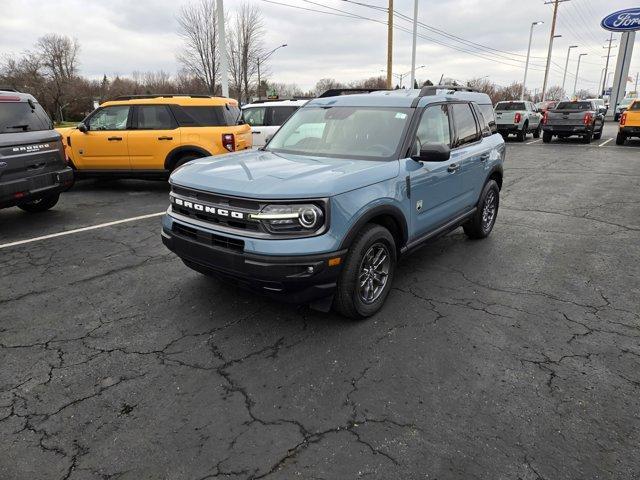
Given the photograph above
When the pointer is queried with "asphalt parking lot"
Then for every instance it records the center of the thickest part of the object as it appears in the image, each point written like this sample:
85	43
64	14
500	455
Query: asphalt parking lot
517	357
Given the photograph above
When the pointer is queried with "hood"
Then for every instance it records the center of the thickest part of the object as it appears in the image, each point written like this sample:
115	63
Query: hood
262	174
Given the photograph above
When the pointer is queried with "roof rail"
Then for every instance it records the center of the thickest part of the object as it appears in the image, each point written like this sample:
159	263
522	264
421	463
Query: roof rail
335	92
294	99
160	95
433	89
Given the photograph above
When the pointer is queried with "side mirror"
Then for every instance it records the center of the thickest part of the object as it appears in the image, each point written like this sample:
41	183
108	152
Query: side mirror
434	152
82	127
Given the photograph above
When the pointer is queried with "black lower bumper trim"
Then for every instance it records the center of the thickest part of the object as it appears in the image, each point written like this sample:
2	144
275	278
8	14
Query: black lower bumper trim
294	279
31	188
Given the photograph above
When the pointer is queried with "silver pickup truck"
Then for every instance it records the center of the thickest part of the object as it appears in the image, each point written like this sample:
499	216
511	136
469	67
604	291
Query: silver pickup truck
518	118
582	118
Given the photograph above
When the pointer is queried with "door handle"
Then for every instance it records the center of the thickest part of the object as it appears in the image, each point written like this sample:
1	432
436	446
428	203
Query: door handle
165	138
114	139
484	157
453	167
255	132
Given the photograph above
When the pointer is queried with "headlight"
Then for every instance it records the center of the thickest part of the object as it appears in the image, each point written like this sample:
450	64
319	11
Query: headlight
296	218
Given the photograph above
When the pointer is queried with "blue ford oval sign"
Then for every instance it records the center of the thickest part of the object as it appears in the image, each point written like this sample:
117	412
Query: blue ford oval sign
622	21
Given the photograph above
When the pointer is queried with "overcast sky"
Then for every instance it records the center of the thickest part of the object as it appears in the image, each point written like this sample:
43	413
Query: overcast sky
122	36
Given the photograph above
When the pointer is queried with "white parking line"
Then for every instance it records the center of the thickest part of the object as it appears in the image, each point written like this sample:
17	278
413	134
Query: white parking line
605	142
78	230
535	141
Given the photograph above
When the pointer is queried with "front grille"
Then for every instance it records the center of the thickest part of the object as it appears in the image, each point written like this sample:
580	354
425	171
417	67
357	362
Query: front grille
216	199
209	238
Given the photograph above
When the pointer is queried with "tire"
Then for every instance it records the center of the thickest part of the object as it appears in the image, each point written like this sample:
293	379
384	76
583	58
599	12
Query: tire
184	159
546	137
536	132
598	135
41	204
616	118
350	296
522	134
482	222
620	138
587	138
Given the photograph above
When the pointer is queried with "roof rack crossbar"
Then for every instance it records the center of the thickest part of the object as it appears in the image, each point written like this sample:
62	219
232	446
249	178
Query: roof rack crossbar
335	92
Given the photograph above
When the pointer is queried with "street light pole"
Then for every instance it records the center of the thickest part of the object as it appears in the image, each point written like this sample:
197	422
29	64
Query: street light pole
552	35
575	84
526	67
259	60
566	65
223	48
402	75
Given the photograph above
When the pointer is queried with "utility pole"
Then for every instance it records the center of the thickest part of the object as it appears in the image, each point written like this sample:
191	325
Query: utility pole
222	46
413	48
551	37
526	66
606	67
636	89
390	46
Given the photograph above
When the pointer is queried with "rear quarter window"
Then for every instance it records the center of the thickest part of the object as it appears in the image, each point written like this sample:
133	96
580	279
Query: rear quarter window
489	117
207	116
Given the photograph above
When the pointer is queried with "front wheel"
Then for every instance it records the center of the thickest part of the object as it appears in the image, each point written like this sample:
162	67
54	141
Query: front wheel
546	137
41	204
482	222
365	280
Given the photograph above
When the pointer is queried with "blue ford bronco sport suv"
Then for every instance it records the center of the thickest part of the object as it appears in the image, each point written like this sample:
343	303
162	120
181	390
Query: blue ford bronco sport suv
348	184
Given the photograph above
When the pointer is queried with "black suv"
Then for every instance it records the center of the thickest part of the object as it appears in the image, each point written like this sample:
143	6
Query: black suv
33	167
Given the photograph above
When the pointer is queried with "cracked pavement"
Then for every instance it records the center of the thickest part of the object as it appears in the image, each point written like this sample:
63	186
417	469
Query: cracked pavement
517	357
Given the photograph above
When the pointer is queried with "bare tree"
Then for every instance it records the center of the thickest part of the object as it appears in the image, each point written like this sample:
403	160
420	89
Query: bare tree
325	84
245	49
555	93
59	60
198	30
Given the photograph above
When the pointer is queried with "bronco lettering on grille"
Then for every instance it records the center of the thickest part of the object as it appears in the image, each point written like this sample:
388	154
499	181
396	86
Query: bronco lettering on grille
198	207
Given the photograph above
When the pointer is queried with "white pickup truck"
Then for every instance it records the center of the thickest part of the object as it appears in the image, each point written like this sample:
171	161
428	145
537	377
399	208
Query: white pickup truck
266	116
518	118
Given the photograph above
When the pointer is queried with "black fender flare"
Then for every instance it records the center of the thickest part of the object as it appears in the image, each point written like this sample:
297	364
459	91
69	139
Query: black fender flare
499	169
388	210
176	152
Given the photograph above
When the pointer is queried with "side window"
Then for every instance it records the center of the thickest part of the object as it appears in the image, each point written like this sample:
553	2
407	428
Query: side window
465	122
155	117
433	127
489	117
254	116
484	127
110	118
279	115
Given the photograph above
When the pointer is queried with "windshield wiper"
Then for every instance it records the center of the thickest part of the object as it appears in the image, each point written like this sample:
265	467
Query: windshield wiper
23	127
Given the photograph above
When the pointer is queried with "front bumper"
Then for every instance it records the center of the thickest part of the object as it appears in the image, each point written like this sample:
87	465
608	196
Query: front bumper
294	279
14	192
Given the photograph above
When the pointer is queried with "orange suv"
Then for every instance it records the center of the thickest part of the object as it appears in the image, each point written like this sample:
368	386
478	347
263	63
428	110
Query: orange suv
151	135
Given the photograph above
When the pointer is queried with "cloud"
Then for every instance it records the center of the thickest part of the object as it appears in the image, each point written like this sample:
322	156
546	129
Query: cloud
121	36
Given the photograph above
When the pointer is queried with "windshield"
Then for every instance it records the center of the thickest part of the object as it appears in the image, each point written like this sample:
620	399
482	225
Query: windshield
626	101
368	133
510	106
20	117
635	106
574	106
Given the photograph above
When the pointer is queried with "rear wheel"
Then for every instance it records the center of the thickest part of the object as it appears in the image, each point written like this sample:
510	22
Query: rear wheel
546	137
620	138
587	138
482	222
598	135
536	133
41	204
367	274
522	134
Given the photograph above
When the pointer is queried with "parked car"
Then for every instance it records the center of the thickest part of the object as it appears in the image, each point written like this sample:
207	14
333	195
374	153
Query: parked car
578	117
345	187
266	116
518	118
545	106
600	103
621	107
152	135
33	170
629	123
